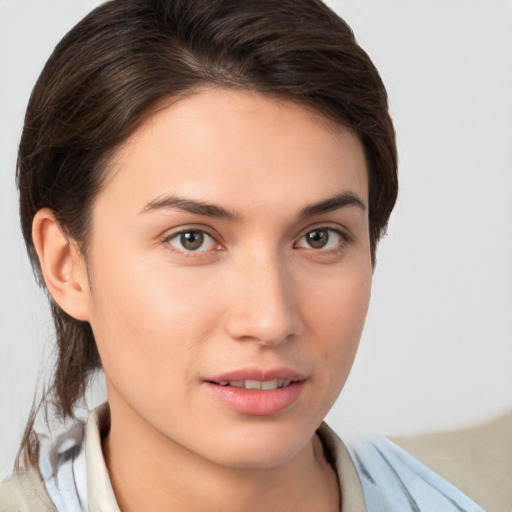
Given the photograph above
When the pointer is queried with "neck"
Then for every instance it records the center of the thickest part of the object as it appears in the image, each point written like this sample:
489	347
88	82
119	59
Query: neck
150	472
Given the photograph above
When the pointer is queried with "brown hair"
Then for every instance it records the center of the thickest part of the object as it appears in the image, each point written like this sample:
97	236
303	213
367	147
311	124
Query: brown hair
108	72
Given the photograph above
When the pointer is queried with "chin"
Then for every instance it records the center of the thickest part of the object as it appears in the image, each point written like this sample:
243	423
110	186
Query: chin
262	448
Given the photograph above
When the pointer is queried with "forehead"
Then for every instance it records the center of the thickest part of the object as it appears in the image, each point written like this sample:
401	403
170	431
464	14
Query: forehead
236	145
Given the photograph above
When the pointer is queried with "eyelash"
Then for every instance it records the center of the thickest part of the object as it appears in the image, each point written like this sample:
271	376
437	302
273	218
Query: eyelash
184	232
343	240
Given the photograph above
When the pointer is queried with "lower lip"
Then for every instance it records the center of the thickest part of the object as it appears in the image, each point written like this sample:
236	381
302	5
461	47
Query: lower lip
255	402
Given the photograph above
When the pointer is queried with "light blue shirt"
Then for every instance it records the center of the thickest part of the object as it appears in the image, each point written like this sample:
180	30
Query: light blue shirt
374	474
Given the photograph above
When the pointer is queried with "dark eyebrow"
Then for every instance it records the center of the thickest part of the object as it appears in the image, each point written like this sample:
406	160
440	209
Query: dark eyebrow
211	210
189	205
333	203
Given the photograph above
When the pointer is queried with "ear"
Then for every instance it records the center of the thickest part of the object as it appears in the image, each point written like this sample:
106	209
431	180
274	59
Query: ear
62	265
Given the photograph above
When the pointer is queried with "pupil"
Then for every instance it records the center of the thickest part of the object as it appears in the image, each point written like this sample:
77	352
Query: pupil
318	238
192	240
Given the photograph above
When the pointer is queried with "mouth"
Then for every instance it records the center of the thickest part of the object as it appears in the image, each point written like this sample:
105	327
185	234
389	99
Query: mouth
265	385
257	392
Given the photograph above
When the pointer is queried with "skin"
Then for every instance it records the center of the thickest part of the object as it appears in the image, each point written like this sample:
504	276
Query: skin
255	294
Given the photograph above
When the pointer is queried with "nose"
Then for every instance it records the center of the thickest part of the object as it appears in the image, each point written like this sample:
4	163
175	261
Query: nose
263	302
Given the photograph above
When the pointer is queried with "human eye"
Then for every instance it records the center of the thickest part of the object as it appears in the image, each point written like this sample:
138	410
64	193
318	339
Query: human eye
322	239
192	241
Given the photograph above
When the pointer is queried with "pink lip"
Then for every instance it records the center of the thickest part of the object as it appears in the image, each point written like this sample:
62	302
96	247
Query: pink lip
258	374
257	402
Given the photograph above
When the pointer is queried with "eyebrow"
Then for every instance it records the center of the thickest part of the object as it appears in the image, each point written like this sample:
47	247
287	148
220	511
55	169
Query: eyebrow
191	206
333	203
341	200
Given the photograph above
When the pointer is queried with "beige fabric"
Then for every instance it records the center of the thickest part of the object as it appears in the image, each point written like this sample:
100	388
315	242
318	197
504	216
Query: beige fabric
352	498
477	460
100	494
25	492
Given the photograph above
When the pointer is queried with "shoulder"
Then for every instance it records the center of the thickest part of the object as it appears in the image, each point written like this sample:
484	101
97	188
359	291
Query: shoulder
392	479
25	492
478	459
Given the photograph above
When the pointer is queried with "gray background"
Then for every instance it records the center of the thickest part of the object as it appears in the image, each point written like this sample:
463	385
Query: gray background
437	347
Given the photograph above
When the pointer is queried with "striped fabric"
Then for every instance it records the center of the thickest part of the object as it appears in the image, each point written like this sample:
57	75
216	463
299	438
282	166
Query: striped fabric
393	481
389	478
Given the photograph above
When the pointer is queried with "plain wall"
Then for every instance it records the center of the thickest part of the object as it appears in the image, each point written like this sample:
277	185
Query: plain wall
437	348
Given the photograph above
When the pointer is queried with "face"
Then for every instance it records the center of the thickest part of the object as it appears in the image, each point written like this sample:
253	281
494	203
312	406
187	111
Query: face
230	274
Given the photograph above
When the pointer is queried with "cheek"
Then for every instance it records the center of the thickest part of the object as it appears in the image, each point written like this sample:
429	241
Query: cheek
148	320
336	315
339	302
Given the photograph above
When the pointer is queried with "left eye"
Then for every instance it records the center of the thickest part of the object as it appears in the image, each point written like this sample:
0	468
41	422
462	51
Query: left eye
192	241
321	238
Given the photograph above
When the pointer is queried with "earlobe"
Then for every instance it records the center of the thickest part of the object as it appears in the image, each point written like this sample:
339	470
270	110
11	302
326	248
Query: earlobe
62	265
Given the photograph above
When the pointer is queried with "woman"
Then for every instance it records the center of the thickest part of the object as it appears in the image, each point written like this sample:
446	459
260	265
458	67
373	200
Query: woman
202	189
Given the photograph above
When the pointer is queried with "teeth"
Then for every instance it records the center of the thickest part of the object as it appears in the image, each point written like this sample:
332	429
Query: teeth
269	384
266	385
253	384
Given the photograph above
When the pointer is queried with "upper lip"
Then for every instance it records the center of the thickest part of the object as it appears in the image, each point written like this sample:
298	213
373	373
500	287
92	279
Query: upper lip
259	374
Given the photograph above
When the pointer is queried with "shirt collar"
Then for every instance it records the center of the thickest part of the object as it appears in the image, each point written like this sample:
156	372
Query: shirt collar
99	488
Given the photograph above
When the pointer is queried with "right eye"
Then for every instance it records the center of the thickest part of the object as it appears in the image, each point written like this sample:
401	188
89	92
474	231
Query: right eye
192	240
